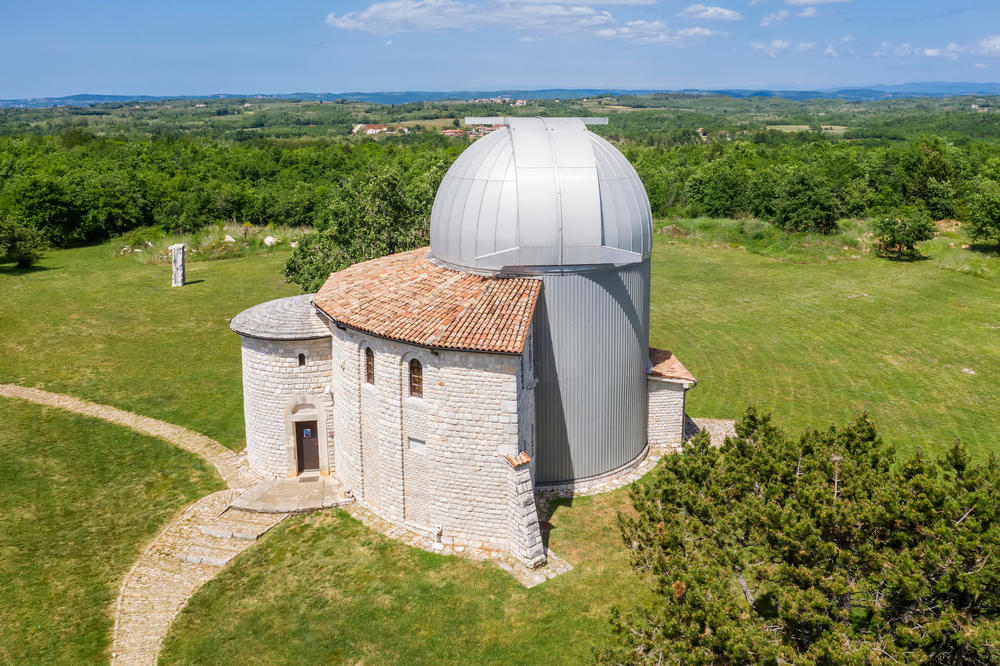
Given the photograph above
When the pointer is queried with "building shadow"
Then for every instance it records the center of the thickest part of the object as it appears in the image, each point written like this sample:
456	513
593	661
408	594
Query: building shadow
547	509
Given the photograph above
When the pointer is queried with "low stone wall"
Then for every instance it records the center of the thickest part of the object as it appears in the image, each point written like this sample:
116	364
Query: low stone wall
272	377
666	413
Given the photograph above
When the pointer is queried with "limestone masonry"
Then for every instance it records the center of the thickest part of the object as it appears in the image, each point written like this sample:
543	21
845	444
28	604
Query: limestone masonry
444	387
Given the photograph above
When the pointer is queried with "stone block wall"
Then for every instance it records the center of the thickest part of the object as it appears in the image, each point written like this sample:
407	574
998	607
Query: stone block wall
525	532
666	413
437	461
271	378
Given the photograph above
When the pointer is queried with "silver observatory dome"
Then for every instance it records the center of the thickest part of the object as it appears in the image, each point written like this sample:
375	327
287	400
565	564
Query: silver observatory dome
540	192
548	198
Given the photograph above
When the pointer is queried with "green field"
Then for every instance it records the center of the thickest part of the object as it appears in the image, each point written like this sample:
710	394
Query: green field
818	336
79	499
324	589
832	129
110	329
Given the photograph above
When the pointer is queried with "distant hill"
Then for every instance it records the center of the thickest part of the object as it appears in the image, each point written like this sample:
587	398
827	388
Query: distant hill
860	94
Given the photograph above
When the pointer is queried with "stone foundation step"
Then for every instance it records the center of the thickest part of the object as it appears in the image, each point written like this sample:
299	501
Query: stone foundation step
295	495
241	525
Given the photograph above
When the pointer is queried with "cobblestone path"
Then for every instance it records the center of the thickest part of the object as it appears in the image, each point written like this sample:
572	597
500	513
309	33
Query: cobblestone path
203	537
232	468
196	544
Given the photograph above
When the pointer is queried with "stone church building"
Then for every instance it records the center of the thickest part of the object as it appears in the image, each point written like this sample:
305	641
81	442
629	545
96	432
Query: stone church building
446	385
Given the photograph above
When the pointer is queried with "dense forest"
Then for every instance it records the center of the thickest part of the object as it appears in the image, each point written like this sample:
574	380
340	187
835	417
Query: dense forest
72	175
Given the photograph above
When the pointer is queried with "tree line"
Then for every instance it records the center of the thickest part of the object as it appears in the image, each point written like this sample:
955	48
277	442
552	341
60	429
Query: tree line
76	187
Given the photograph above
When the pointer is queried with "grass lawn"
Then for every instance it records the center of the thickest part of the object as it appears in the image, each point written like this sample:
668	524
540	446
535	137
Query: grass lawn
325	589
79	498
832	129
916	346
110	329
816	329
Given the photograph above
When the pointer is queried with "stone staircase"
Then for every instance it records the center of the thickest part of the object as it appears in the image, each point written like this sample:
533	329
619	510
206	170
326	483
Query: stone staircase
227	535
188	553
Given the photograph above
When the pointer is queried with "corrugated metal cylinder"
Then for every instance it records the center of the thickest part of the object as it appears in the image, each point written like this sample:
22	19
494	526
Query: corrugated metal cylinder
546	197
592	348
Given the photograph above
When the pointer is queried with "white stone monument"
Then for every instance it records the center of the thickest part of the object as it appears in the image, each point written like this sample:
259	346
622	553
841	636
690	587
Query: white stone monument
177	259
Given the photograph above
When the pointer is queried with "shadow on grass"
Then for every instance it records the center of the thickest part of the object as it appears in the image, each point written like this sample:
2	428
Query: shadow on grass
988	250
545	513
905	258
15	270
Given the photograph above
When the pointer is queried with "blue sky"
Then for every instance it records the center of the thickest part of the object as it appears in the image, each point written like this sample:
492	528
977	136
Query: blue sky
183	47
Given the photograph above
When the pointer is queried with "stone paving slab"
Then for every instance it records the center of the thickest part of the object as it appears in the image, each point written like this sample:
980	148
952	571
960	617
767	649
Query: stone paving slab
295	495
718	429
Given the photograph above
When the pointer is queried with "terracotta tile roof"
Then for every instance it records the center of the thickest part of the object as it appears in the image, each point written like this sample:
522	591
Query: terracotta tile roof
407	297
666	366
519	460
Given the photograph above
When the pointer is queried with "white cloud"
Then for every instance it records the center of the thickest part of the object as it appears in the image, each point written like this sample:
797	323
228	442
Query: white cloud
815	2
989	46
899	50
772	48
809	12
951	52
981	65
584	2
654	32
711	13
395	16
388	42
802	47
529	39
831	52
783	15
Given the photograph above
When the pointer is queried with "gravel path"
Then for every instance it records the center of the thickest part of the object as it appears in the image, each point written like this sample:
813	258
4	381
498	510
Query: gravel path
192	548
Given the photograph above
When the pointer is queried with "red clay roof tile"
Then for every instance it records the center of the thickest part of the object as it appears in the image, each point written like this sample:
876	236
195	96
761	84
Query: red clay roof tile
407	297
666	366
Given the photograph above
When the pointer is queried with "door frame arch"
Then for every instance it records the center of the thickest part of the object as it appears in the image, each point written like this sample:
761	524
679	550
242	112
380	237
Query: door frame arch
305	407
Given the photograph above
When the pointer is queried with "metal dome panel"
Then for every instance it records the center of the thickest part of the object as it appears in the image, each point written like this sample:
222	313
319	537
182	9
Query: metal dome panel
540	192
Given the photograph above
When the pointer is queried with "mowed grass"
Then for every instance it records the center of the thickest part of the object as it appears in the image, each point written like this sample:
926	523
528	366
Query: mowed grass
324	589
915	346
109	329
79	498
819	339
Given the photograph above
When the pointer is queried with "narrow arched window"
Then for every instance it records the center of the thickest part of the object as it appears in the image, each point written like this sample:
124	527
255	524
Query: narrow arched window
416	379
302	360
369	365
